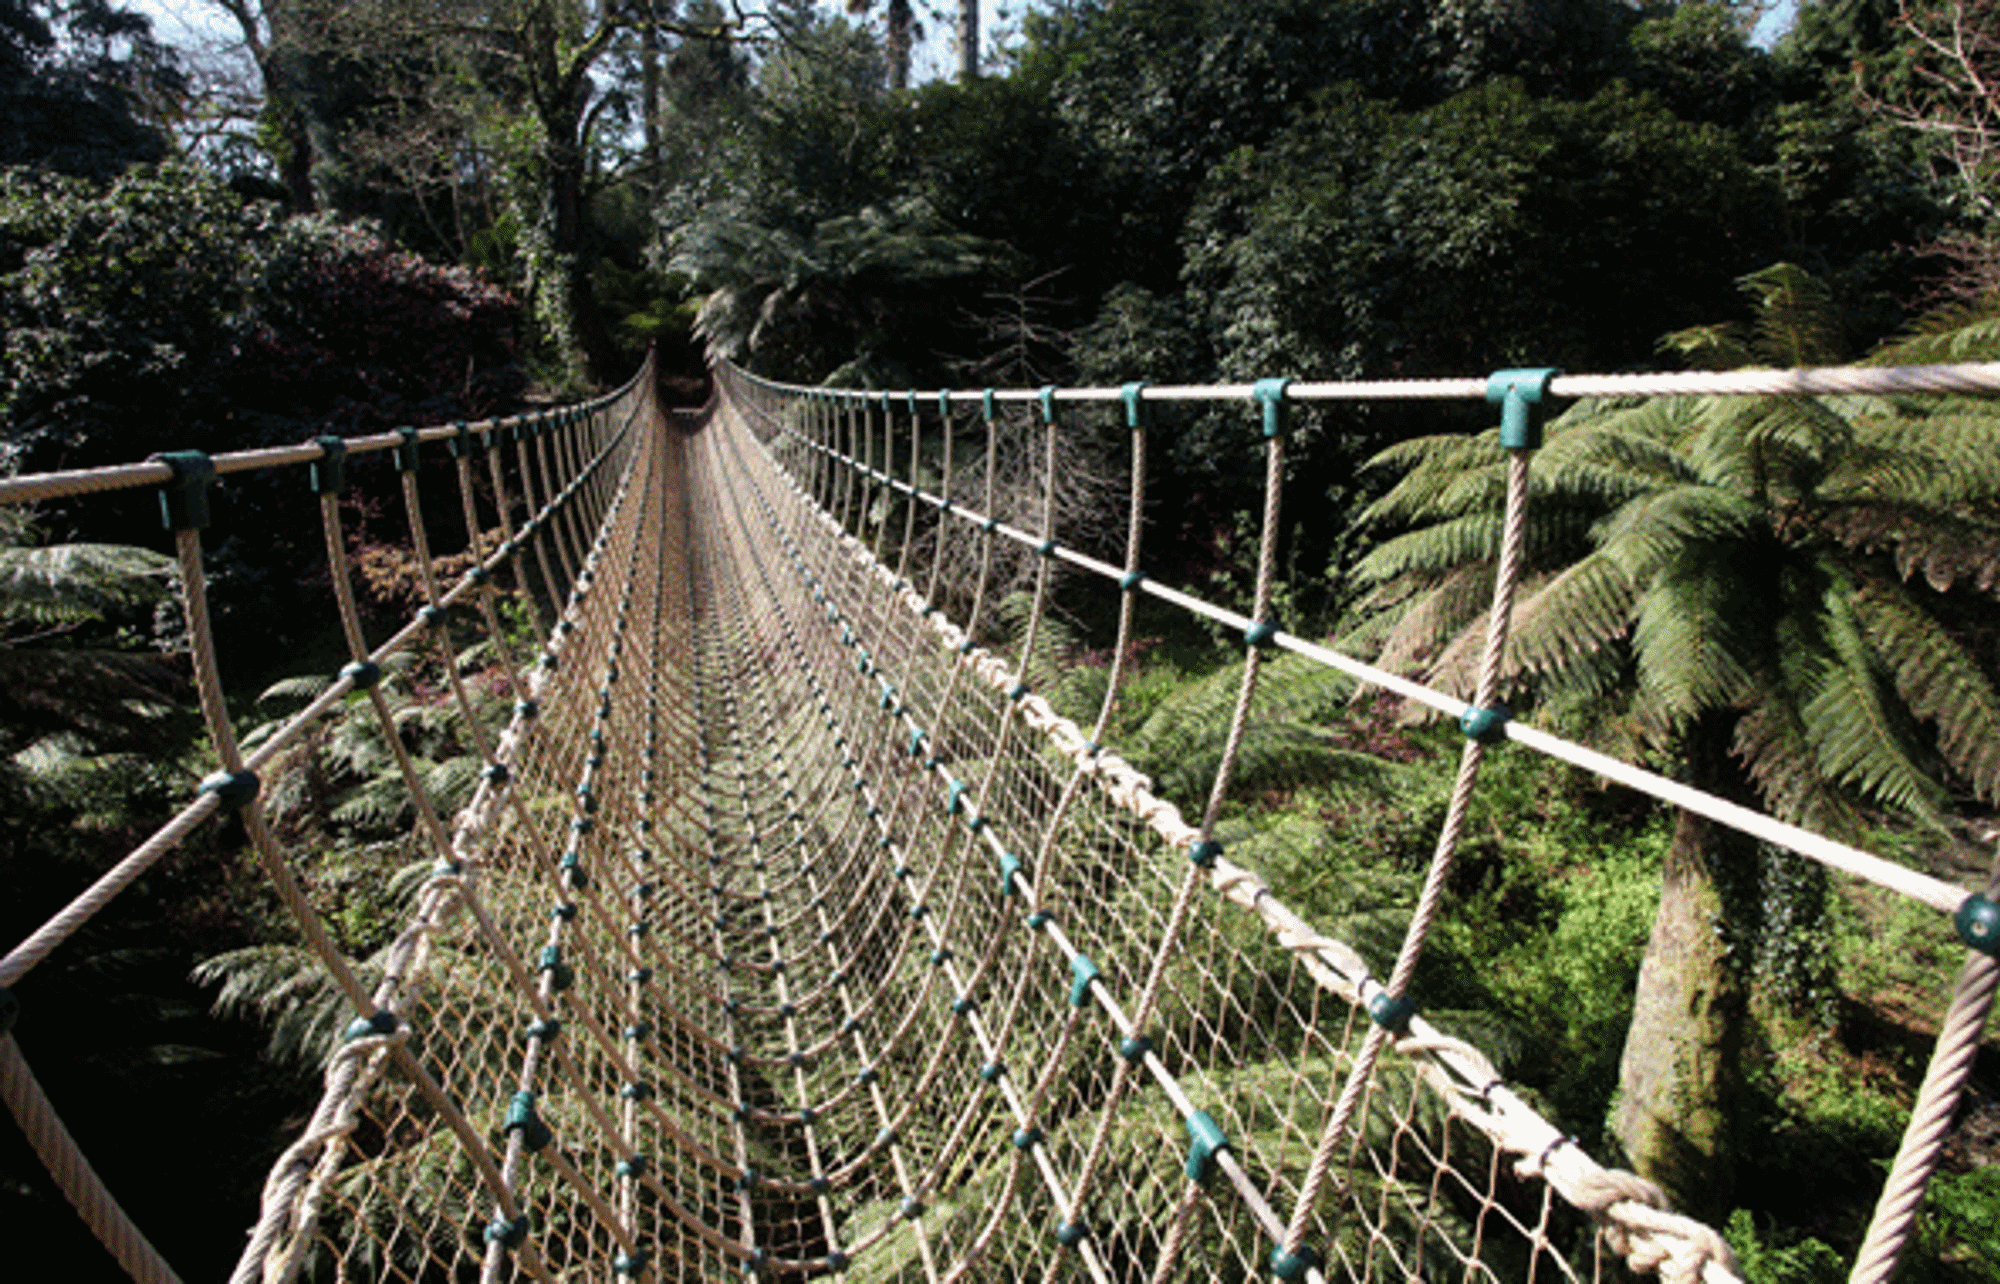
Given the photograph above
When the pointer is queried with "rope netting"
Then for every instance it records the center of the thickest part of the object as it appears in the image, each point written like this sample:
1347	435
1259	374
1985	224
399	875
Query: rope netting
791	931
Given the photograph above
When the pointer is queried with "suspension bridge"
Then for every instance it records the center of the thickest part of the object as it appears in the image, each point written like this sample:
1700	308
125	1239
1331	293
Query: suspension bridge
790	932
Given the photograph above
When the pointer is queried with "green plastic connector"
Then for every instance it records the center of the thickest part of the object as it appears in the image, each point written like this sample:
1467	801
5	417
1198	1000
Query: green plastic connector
544	1030
1047	398
1269	394
1205	1137
986	410
380	1022
1261	634
992	1071
1519	394
465	443
1134	1048
1134	397
184	500
944	405
1010	865
1978	922
1203	852
521	1118
631	1263
1082	973
1070	1234
1292	1266
234	789
1130	581
1391	1011
1487	726
405	453
328	473
362	674
635	1166
1027	1138
507	1234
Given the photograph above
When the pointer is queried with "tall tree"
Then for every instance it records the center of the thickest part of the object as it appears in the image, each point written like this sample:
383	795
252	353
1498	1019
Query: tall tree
1763	589
84	86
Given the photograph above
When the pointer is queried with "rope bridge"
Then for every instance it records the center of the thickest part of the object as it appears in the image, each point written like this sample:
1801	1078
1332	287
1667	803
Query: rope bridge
789	931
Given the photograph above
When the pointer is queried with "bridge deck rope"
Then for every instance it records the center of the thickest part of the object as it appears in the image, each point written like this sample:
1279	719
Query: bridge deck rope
790	930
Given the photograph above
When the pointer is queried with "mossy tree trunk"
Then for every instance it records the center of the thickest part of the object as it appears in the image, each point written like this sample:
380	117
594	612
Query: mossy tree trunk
1678	1075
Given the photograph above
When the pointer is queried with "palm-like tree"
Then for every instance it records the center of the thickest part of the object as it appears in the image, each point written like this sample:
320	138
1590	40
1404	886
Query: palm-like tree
1768	592
50	595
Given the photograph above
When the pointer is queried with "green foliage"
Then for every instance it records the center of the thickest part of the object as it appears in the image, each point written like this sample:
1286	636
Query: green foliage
1358	241
1738	555
1808	1261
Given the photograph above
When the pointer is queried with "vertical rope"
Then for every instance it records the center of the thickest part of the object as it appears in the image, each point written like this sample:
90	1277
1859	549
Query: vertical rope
1512	540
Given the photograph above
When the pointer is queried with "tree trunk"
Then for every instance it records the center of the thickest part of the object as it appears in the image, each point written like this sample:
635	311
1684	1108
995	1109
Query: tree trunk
562	284
898	45
968	39
1677	1077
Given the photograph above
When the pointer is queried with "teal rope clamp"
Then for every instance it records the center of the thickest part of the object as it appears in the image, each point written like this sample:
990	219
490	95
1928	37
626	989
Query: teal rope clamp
1519	394
233	789
1269	394
1082	973
1292	1266
507	1234
631	1263
1134	397
1487	726
1070	1234
1391	1011
986	409
1978	922
633	1167
465	443
559	973
1260	634
184	499
1203	852
521	1118
1046	396
362	674
1205	1137
381	1021
1010	865
328	473
405	452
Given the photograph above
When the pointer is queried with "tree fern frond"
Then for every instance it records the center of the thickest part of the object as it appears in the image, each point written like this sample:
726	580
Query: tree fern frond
1647	535
1773	746
1964	332
1462	596
1691	654
1571	616
1937	678
1437	548
1860	739
67	583
1945	548
305	688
